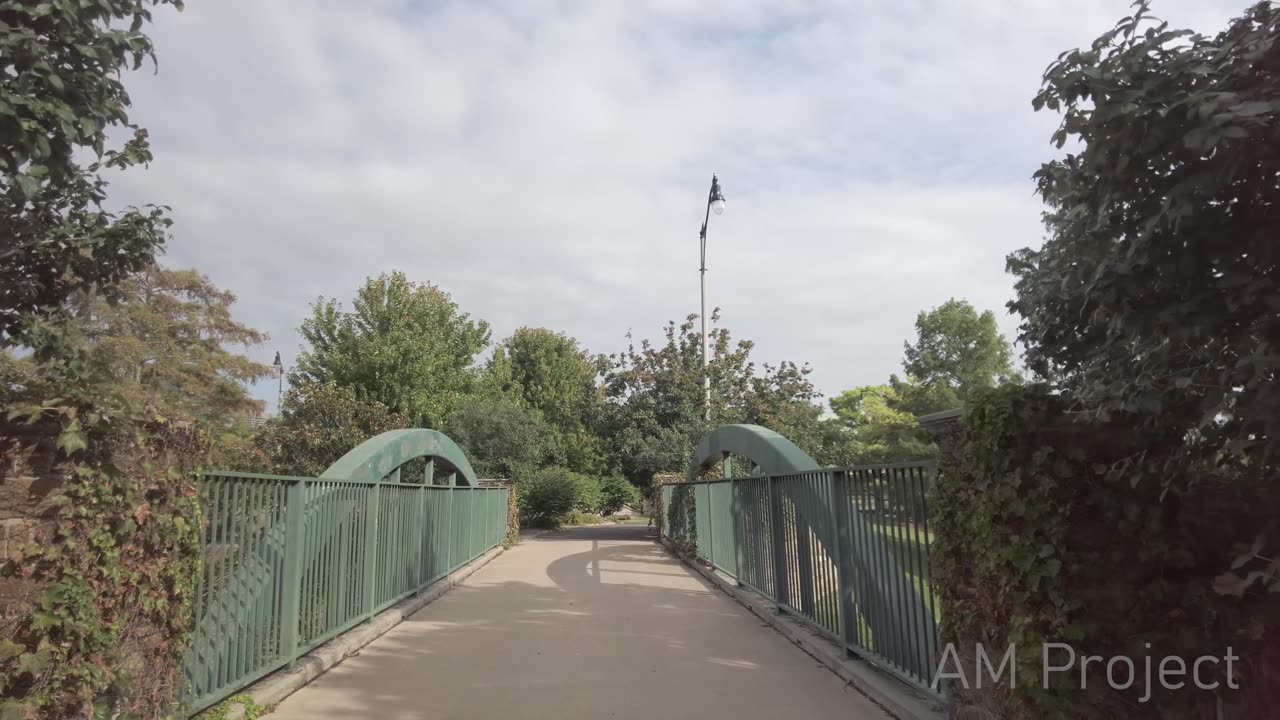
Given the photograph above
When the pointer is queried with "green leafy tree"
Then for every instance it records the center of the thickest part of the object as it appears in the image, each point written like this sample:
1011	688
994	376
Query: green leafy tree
654	409
590	493
404	345
959	348
547	496
63	127
168	341
1156	296
616	492
548	373
881	432
62	99
319	424
501	437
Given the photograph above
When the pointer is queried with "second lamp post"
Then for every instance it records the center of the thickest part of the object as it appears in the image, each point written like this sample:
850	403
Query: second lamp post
715	202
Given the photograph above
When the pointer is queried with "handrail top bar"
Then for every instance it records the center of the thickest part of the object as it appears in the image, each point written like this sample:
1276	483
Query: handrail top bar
235	474
927	464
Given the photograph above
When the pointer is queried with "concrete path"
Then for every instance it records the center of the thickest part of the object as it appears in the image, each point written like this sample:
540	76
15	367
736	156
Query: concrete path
590	623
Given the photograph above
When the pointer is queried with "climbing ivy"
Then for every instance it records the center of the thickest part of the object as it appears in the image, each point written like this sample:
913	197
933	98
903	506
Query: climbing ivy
1038	541
116	573
682	520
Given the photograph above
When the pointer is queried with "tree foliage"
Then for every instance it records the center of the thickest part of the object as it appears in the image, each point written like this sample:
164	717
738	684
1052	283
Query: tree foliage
167	343
113	578
502	438
1156	296
616	492
546	496
319	424
959	348
548	373
61	96
654	399
404	345
881	432
957	352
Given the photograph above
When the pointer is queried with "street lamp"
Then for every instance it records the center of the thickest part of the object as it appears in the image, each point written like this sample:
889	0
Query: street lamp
715	202
279	366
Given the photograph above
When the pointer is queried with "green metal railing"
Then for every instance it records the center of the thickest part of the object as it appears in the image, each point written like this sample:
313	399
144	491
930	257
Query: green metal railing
846	550
291	562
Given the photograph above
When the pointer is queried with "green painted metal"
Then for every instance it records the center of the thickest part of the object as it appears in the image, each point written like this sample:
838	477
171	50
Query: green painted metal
845	549
381	455
773	453
291	562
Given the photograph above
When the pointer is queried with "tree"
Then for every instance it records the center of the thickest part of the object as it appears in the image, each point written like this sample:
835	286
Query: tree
547	496
502	439
881	431
405	345
61	95
1155	297
654	410
319	424
548	373
957	347
616	492
165	342
97	590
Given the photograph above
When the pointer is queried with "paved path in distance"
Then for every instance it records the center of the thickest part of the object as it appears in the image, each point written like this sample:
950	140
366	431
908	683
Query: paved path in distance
592	622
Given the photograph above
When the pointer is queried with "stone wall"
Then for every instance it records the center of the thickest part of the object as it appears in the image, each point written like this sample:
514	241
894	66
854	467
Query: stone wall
30	476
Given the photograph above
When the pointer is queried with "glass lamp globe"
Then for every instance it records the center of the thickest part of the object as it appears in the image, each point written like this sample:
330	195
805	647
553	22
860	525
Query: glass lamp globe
717	205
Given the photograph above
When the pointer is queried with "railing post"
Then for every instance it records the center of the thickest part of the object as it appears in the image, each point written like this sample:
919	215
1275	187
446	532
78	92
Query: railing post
735	508
371	548
844	556
424	535
778	546
804	562
448	534
294	536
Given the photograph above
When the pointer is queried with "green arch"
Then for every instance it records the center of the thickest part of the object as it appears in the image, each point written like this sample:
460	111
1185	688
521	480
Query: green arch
773	453
889	611
379	456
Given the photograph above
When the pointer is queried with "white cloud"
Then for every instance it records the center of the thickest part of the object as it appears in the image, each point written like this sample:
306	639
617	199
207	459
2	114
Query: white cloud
546	162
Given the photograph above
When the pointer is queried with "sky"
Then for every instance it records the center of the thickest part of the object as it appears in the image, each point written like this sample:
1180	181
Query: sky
547	162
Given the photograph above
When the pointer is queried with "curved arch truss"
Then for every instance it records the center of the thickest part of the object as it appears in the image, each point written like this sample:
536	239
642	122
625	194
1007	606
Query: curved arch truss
382	455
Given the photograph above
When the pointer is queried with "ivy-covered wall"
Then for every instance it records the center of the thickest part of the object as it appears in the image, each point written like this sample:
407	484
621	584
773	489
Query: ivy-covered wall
103	579
1039	541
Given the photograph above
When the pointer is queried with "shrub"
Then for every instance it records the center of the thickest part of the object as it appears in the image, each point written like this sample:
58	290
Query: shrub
545	497
590	493
617	492
577	517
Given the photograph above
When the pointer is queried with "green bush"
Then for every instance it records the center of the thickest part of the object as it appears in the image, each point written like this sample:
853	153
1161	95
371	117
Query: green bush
577	517
617	492
547	496
590	493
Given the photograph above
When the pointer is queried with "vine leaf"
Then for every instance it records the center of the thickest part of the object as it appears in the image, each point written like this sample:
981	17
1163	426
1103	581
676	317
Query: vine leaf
10	649
72	440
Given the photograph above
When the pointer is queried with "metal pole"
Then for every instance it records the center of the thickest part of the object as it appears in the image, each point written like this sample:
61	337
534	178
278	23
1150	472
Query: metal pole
706	378
706	349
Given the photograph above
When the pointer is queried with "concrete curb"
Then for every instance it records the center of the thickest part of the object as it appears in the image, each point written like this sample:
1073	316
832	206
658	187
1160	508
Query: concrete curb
895	697
281	684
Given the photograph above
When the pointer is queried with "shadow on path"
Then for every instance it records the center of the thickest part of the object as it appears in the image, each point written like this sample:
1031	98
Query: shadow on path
597	621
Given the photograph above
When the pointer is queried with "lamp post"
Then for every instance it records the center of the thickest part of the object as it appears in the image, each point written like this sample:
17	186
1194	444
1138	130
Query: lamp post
279	366
715	201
